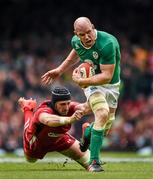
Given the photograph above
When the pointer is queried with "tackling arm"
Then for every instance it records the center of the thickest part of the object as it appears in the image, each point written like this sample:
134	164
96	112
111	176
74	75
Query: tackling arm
55	120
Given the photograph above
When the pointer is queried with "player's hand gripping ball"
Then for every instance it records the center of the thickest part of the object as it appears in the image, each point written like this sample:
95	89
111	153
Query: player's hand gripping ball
86	70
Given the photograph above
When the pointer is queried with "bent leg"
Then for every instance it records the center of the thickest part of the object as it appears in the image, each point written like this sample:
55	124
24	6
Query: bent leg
74	153
27	107
100	109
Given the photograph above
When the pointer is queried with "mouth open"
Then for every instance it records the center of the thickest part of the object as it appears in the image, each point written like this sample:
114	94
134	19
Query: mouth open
88	42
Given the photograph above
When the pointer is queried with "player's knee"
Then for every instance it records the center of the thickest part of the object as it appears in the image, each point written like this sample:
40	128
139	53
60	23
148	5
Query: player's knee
30	159
109	124
101	115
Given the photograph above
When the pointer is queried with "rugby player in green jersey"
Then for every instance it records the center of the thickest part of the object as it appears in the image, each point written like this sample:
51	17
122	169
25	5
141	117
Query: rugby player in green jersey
102	89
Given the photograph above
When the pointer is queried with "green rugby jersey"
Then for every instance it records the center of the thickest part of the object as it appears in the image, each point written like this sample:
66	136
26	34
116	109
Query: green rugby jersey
106	50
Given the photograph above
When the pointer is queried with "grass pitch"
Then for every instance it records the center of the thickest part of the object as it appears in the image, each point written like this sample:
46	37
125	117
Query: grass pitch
118	166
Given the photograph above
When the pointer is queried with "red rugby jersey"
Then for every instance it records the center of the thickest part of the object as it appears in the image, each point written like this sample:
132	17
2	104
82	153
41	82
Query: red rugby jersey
44	132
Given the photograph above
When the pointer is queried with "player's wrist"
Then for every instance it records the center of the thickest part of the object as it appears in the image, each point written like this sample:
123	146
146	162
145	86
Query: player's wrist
64	120
60	70
72	120
80	81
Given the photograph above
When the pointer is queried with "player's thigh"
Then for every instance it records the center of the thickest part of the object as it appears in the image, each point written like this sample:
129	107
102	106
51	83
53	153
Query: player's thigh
100	108
74	151
98	101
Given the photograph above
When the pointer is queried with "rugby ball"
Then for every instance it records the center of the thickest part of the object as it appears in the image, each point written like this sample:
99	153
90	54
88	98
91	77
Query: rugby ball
86	70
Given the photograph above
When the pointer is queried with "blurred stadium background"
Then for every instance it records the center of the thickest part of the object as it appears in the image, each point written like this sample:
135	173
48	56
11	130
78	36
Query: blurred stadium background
35	37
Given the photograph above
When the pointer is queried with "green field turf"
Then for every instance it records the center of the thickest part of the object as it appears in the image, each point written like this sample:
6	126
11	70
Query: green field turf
122	169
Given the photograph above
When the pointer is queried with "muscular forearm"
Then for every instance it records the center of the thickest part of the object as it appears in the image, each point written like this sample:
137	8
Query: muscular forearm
104	77
67	63
98	79
71	60
54	120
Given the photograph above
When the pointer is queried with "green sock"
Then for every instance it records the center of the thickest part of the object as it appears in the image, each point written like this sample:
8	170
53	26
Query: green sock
87	132
95	144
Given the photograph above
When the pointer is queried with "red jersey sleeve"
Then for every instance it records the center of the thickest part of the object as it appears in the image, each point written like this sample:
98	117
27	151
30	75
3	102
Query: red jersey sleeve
42	110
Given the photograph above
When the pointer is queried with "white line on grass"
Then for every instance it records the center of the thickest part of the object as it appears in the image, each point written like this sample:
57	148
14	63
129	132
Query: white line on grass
62	159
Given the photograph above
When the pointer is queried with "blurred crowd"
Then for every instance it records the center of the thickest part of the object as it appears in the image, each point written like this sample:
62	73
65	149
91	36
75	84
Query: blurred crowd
28	50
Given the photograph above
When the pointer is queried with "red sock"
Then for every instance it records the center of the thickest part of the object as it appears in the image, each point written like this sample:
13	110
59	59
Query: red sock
27	115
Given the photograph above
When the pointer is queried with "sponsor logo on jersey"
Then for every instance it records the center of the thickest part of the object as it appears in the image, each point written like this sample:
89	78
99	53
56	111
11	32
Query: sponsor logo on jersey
95	55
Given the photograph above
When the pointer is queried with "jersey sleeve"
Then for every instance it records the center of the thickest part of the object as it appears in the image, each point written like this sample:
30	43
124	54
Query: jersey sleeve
75	43
42	110
72	43
108	54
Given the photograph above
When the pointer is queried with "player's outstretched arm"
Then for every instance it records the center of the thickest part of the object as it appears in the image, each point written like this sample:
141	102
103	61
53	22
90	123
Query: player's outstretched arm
55	120
53	74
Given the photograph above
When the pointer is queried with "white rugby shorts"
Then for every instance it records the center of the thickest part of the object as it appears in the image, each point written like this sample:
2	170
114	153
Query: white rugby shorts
109	91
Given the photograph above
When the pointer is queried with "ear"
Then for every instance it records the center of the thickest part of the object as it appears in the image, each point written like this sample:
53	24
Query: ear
55	106
93	27
75	32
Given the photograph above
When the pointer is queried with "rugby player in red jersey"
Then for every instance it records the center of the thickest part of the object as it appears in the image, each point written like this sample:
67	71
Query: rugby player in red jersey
46	129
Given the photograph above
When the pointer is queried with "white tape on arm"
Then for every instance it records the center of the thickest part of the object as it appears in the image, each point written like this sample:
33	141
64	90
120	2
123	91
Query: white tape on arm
64	120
